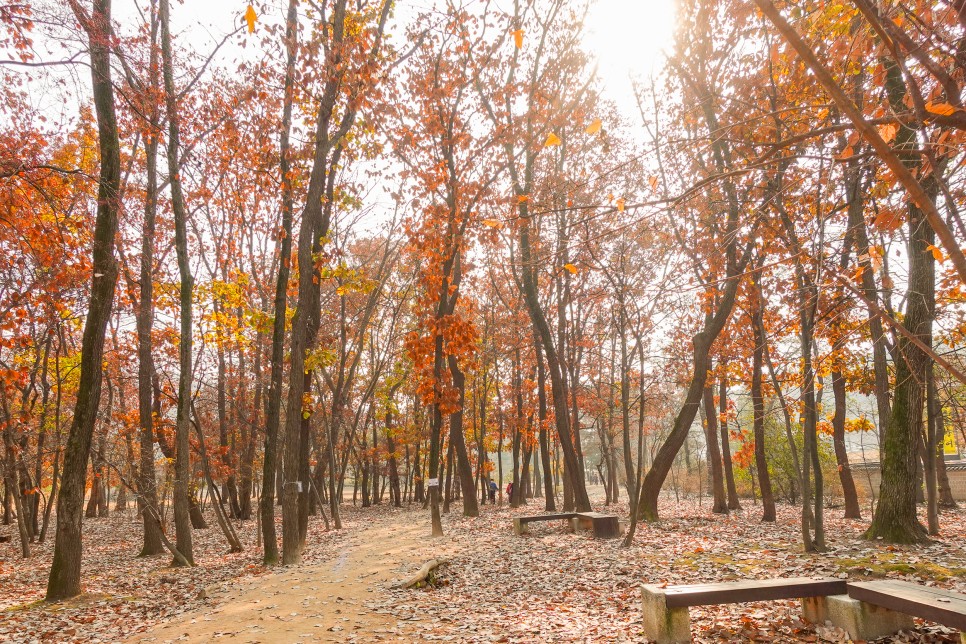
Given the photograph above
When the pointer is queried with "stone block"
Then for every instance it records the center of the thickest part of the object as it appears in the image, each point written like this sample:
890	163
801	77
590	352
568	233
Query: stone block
864	621
662	624
815	609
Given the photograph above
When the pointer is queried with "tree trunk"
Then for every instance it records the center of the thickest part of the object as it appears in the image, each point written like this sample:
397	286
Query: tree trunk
720	503
758	403
729	472
64	579
266	506
895	519
852	510
182	457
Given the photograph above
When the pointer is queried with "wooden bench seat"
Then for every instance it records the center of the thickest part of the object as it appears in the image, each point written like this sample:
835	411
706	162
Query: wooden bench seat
934	604
605	526
666	618
520	523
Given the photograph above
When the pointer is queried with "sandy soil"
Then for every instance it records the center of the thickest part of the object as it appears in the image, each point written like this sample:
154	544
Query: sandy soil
325	603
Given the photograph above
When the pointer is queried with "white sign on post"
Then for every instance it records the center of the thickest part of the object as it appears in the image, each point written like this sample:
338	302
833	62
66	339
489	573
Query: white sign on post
433	482
298	486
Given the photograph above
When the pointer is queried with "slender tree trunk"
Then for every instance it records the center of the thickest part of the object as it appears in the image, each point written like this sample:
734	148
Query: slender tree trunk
182	458
720	503
758	403
852	510
64	580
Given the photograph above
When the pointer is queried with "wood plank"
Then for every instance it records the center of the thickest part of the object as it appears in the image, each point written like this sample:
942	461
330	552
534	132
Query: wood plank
594	515
546	517
935	604
754	590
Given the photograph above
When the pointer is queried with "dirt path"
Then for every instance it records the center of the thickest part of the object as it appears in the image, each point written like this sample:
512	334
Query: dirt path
325	602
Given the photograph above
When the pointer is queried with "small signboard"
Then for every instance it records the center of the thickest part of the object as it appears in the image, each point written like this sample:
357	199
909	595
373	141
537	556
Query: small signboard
950	448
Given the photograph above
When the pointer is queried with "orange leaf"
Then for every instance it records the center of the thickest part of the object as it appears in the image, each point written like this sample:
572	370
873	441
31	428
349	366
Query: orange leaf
493	223
523	198
847	152
943	109
571	268
250	18
653	181
888	132
594	127
518	38
552	139
620	205
936	253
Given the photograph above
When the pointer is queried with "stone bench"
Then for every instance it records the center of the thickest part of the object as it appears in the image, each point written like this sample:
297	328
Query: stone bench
874	609
605	526
666	618
520	523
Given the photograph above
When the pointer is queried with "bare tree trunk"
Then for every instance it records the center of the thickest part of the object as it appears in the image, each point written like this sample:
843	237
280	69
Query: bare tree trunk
64	580
182	458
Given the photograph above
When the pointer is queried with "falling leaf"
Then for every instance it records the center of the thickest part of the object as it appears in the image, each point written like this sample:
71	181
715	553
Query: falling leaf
888	132
594	127
552	139
250	18
943	109
936	253
518	38
620	205
571	268
493	223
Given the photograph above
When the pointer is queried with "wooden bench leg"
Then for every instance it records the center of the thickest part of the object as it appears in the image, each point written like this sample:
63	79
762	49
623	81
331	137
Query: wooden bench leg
861	620
662	624
519	527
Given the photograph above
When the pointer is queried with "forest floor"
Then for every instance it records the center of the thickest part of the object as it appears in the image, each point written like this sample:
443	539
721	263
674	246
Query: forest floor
548	586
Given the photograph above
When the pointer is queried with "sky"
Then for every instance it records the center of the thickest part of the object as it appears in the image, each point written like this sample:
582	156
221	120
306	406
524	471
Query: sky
627	37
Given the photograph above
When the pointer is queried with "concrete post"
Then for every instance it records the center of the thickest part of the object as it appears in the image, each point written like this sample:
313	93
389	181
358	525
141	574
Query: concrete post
662	624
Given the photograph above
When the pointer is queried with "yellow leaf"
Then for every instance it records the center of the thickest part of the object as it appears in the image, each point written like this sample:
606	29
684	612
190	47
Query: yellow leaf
571	268
888	132
493	223
594	127
936	253
943	109
250	18
518	38
620	205
552	139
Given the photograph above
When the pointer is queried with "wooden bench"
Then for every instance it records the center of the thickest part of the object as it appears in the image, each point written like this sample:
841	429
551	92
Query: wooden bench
874	609
520	523
605	526
666	618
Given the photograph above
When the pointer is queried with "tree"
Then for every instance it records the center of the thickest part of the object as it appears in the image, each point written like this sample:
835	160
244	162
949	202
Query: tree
64	580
